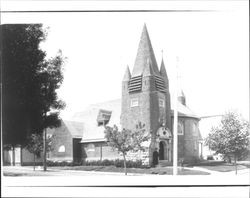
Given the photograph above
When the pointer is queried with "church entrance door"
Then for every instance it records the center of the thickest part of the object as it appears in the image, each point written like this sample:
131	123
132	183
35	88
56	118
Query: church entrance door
161	151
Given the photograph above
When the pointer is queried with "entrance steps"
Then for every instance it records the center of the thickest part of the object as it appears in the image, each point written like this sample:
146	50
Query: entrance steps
163	163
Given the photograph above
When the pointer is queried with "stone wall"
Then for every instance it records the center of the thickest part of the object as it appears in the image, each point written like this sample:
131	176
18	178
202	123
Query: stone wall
141	155
188	143
101	151
62	138
28	158
98	151
191	139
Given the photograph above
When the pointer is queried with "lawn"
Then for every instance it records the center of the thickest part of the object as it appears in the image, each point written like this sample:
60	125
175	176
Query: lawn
57	171
221	166
157	171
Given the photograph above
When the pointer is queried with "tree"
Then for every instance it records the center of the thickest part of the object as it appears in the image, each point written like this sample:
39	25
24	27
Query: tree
35	146
126	140
30	81
231	137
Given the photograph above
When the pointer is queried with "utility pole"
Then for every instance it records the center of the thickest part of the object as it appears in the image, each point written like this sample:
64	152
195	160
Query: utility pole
175	138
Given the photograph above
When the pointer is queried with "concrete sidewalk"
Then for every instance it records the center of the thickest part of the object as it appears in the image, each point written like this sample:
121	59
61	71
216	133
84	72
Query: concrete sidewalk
239	172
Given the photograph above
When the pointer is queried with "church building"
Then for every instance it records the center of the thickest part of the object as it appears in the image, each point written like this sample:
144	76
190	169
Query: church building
146	99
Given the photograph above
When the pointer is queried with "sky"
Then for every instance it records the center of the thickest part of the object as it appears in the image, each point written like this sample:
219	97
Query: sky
212	47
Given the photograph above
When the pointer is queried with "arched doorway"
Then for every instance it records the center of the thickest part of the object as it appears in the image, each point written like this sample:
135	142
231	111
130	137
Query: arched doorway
161	151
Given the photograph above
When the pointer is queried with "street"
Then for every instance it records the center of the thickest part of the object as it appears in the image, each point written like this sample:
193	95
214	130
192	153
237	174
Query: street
74	183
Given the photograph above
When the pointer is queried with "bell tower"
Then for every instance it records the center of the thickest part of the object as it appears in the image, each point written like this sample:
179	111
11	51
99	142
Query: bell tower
145	93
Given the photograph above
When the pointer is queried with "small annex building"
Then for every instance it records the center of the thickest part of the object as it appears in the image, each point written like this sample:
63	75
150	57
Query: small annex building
65	141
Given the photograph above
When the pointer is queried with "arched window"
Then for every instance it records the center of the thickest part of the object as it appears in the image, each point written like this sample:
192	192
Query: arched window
61	149
180	127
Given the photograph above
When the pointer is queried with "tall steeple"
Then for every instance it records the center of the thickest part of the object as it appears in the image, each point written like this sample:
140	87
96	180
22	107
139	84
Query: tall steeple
145	96
144	52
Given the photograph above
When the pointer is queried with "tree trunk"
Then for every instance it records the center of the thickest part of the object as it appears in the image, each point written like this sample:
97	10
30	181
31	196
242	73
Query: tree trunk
235	163
44	151
13	156
34	161
125	166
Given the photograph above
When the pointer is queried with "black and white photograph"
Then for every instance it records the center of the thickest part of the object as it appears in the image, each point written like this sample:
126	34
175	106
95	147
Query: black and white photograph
125	98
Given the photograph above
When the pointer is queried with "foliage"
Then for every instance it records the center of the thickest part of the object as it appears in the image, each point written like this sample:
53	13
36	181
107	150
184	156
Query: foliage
105	162
62	163
116	163
231	137
126	140
30	81
35	144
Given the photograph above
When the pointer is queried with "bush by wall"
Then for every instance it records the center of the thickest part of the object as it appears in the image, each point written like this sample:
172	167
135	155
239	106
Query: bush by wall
106	162
116	163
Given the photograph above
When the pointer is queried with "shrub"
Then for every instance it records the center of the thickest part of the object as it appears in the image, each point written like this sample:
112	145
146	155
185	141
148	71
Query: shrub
117	163
210	157
60	163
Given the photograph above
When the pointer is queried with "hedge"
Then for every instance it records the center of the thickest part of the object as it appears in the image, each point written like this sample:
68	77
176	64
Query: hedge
106	162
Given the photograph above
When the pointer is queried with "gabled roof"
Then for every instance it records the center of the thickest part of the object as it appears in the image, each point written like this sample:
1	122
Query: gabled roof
74	128
144	52
91	131
184	111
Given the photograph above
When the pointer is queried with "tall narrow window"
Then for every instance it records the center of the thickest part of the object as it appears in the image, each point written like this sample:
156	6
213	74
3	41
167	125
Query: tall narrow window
194	127
134	102
161	102
195	145
180	128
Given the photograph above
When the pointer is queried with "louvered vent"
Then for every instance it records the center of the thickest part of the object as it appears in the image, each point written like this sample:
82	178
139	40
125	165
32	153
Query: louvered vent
135	84
103	117
159	83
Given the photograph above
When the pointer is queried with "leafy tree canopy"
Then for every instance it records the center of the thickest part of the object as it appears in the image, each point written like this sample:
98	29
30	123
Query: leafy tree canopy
231	137
126	140
35	144
29	83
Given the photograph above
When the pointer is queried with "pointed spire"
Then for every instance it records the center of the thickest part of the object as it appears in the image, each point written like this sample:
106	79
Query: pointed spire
144	52
127	75
181	93
148	71
163	71
181	97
